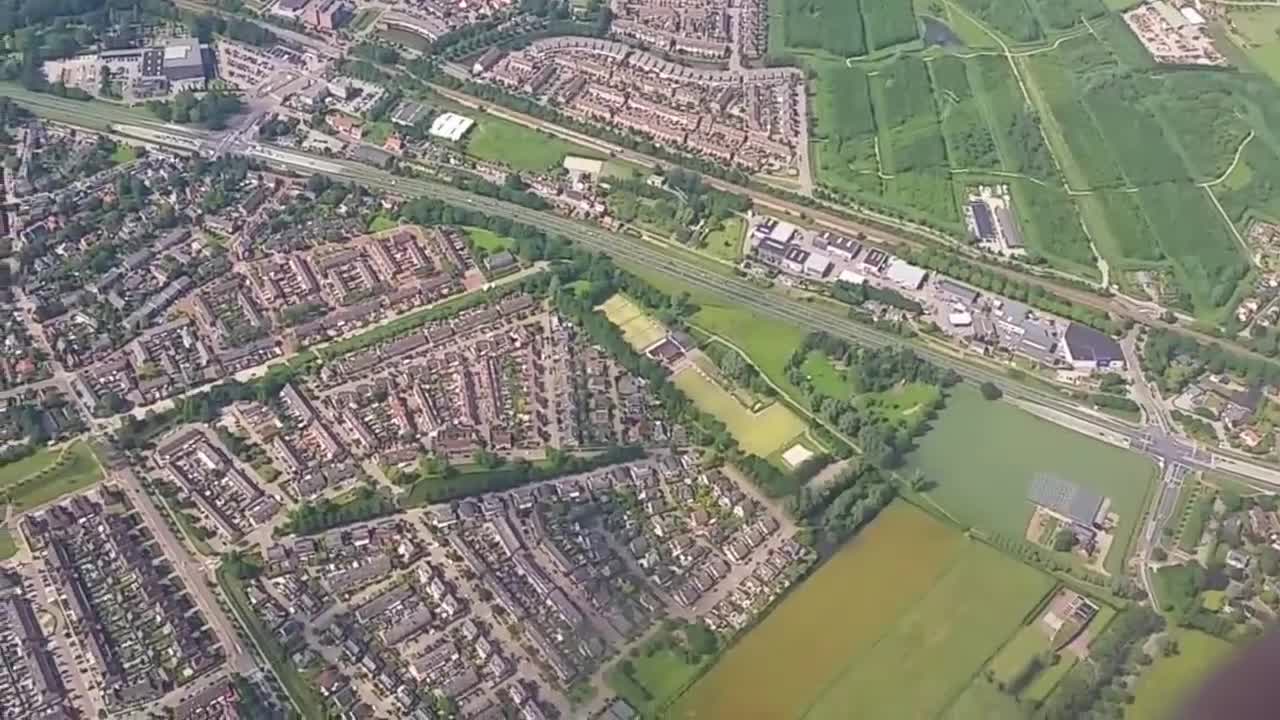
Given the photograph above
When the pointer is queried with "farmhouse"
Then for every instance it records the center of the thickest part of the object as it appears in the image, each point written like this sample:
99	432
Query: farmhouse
1068	501
1087	349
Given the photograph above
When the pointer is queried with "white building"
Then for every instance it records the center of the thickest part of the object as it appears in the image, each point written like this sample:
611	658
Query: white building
451	126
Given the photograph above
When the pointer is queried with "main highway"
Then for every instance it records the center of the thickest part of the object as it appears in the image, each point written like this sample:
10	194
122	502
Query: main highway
637	254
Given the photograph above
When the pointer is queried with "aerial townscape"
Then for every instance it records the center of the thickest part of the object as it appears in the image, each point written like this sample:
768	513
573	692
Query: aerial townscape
632	359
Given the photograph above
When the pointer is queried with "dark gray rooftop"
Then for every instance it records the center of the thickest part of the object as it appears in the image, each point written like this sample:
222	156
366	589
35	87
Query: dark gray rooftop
1065	498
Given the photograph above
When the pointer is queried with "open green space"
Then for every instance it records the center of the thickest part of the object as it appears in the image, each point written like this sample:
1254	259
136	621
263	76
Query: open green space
725	239
48	475
1256	31
653	677
364	19
896	624
487	241
1164	685
17	471
520	148
983	455
983	700
638	329
760	433
381	222
8	546
766	341
124	153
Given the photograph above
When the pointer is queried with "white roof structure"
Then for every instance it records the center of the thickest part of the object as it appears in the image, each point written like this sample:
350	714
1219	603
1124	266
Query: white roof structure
960	319
451	126
851	277
782	232
1192	15
905	274
817	263
583	165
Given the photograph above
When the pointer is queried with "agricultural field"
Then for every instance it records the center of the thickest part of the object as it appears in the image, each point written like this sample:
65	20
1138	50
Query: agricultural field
1169	679
519	147
831	26
1031	641
1256	31
988	490
905	650
888	23
1051	226
1012	19
760	433
48	475
638	329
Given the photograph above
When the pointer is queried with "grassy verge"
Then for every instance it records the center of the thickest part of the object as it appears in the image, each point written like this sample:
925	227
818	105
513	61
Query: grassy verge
304	696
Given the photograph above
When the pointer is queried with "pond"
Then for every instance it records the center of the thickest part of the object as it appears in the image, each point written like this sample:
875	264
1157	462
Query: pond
936	32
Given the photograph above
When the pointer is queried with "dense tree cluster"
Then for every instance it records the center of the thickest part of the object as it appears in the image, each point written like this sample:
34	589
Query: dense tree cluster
858	294
210	110
839	508
1175	360
1098	688
869	370
314	518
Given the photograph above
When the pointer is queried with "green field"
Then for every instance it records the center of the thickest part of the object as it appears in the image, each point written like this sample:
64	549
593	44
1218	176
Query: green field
982	700
987	488
725	239
655	680
48	475
487	241
760	433
766	341
124	153
638	329
8	546
1170	679
1257	34
381	222
896	624
518	147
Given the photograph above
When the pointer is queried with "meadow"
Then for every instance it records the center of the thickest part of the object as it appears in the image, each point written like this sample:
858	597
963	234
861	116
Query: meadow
759	433
48	475
981	457
833	26
895	624
487	241
768	342
1168	680
521	148
725	239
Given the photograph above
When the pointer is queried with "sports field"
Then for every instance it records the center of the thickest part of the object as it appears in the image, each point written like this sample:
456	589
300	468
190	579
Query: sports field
638	329
896	624
981	456
762	433
1163	686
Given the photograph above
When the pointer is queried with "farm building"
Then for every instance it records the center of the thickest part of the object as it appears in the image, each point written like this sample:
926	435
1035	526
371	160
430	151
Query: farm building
1088	349
1068	500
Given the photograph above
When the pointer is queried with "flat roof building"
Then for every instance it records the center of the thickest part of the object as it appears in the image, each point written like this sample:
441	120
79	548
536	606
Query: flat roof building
451	126
906	275
1067	499
1089	349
